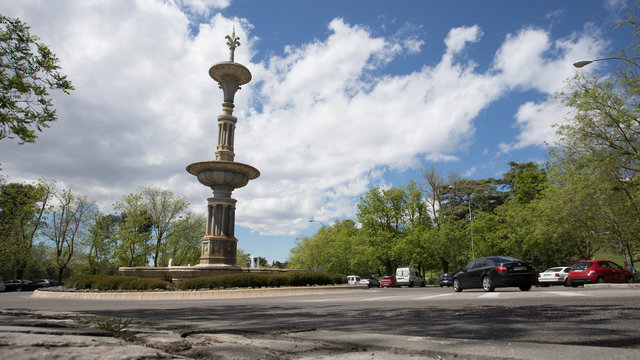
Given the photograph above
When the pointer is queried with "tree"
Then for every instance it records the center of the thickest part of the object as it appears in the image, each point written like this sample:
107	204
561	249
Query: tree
22	207
66	227
28	71
163	207
134	233
101	244
184	239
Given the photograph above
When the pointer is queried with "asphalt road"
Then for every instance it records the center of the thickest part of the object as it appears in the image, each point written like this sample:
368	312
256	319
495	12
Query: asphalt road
608	317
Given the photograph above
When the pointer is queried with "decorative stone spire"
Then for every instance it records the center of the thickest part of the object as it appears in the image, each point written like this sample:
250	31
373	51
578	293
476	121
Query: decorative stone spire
223	175
232	42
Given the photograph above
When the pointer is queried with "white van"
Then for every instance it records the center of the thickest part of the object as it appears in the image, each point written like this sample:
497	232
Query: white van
353	280
409	277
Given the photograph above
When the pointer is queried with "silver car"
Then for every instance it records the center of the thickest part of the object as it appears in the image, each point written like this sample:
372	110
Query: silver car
554	276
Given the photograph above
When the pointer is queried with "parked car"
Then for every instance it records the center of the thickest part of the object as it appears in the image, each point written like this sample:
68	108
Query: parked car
554	276
2	288
370	281
598	271
43	283
388	281
446	279
19	285
495	271
353	280
409	277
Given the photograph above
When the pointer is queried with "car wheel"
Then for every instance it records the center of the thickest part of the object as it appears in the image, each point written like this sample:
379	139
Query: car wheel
487	284
18	289
630	280
566	283
600	280
526	287
456	286
411	284
423	284
441	285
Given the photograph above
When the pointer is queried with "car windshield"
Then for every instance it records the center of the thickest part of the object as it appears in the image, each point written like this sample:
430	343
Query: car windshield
558	269
581	266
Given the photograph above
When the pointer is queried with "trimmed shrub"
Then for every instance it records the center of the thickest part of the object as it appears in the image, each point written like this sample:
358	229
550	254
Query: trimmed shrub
107	282
244	280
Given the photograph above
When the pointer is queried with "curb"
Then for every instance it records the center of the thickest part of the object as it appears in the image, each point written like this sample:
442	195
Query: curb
196	295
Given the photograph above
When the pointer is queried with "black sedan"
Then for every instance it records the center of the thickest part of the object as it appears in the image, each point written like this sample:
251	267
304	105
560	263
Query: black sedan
445	279
19	285
495	271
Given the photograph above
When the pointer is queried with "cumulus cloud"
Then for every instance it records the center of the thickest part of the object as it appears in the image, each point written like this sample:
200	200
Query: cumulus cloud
318	121
535	121
458	38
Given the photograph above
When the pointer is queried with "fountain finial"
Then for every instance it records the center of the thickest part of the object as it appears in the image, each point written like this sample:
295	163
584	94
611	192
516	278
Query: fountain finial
232	41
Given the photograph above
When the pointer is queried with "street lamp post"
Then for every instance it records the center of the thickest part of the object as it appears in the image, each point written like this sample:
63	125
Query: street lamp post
584	63
319	222
473	252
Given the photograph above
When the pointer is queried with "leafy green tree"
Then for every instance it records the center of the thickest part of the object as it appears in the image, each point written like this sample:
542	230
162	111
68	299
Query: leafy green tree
525	181
242	258
22	208
163	208
133	236
28	71
602	138
184	239
101	245
68	221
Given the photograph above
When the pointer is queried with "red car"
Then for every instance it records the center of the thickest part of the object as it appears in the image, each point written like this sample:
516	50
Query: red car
598	271
388	281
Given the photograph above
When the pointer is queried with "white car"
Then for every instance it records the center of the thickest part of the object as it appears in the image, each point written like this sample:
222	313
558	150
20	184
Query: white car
353	280
370	281
554	276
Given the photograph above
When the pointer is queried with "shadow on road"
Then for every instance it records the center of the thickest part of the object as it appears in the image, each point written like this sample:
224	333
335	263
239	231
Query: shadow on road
556	324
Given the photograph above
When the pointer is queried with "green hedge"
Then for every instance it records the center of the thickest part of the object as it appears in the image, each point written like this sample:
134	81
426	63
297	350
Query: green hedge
244	280
106	282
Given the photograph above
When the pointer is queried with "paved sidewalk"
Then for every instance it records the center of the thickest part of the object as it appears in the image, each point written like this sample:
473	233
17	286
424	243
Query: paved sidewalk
58	335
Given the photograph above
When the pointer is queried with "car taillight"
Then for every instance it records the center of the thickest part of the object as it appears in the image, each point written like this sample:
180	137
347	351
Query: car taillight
501	268
557	275
538	275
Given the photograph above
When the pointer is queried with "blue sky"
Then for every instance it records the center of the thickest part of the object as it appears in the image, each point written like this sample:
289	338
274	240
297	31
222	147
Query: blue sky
345	95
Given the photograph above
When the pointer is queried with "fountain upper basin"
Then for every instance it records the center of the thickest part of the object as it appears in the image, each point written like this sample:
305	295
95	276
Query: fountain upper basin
223	173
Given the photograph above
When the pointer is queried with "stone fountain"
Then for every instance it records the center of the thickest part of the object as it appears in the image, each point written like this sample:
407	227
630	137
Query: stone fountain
222	175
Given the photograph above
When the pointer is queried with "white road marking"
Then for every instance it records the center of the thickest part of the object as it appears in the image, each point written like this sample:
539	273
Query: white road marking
490	295
379	298
566	293
432	296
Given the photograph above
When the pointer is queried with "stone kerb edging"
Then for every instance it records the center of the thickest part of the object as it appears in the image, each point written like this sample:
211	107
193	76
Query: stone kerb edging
195	295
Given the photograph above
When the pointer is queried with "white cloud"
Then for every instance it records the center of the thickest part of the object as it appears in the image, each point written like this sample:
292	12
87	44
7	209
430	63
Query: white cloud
204	7
536	124
458	38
